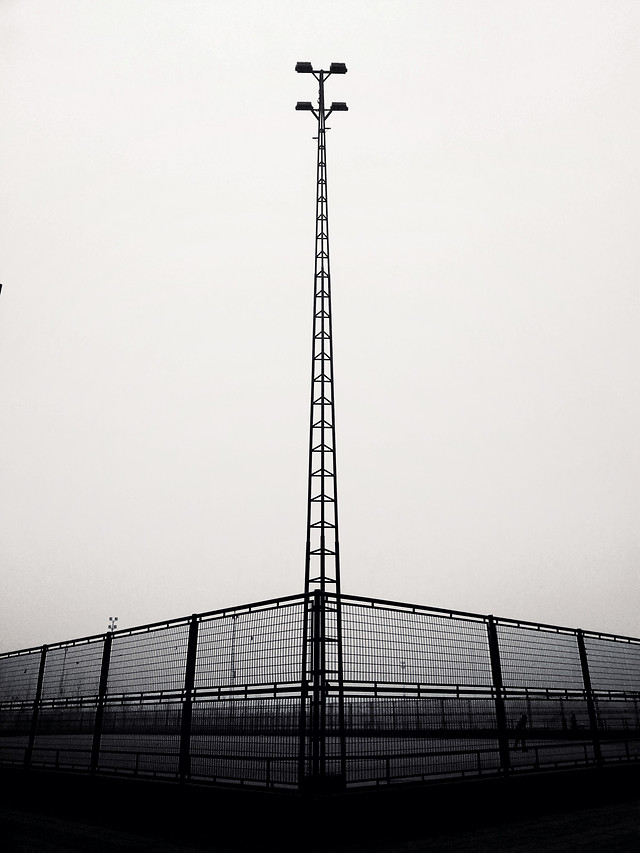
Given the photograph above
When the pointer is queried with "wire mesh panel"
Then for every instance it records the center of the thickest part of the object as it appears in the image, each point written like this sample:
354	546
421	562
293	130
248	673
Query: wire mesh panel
618	714
64	736
433	715
614	664
548	731
72	671
393	760
542	754
393	645
141	738
151	661
622	749
18	685
548	713
533	656
140	733
19	676
67	713
252	740
15	727
390	737
546	706
261	646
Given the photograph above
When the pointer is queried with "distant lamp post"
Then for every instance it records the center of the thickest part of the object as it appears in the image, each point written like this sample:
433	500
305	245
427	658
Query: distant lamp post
113	623
233	647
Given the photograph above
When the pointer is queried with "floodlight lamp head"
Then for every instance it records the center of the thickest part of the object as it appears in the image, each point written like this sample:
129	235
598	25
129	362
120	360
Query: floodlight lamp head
304	68
339	107
338	68
304	105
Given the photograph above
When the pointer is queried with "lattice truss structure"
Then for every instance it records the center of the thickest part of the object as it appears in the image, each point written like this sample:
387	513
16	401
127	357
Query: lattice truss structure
322	564
322	643
321	689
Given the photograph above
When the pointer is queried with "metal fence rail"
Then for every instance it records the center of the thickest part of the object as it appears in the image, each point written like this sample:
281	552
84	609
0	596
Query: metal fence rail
220	697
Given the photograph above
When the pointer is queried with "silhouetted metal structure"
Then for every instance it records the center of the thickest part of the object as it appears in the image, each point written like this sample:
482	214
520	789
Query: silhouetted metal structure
322	688
428	694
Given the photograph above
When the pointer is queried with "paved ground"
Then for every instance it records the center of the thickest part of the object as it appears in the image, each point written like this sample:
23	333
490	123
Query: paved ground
558	812
601	830
613	827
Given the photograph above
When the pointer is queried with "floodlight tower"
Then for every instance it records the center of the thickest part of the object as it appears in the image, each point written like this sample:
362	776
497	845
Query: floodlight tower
322	751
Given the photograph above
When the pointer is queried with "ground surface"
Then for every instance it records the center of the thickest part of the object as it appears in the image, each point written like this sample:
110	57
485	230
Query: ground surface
572	813
614	827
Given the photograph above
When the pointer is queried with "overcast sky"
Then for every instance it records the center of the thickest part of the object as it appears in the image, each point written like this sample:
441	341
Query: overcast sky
155	322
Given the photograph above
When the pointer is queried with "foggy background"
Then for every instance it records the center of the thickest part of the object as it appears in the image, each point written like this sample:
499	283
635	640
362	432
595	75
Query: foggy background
157	235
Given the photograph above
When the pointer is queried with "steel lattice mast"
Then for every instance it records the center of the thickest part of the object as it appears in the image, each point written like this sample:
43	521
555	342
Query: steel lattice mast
322	643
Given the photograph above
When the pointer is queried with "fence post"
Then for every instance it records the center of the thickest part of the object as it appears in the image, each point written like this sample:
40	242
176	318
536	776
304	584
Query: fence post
304	692
36	709
501	715
339	662
102	692
318	701
184	762
313	693
591	706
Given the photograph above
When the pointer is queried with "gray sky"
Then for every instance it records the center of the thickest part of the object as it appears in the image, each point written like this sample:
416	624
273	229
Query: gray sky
157	259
